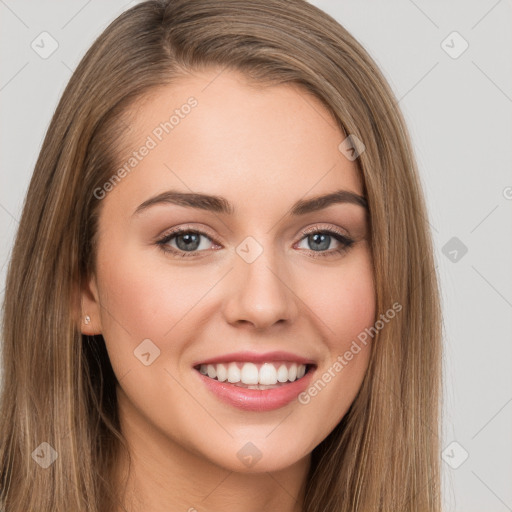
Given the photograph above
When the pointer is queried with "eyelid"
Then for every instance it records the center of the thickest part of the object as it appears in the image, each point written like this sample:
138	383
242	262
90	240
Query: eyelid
203	230
323	227
208	232
162	239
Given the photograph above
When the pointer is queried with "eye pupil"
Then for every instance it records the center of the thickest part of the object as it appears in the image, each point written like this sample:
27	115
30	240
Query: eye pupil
190	241
323	238
187	242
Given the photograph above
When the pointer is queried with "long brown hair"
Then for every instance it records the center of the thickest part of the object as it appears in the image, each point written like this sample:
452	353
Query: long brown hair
58	386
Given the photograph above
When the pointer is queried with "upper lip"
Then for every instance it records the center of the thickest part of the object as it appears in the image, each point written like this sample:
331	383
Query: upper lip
255	357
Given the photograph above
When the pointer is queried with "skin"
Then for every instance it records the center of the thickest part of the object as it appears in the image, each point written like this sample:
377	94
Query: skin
262	148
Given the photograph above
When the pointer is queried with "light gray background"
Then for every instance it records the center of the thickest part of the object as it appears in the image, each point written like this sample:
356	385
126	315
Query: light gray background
459	115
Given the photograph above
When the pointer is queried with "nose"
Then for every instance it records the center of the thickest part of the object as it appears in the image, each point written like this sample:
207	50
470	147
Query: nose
260	293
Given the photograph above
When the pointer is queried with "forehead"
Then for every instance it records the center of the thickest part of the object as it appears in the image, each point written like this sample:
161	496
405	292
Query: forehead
214	132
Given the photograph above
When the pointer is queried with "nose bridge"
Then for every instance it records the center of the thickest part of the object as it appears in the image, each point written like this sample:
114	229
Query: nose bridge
262	293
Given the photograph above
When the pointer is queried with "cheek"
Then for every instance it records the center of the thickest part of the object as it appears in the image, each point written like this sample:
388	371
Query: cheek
344	303
344	300
142	301
143	298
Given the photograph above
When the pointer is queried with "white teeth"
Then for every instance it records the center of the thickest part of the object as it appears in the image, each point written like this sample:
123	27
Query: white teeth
282	373
249	374
212	372
233	373
222	373
268	374
253	375
292	372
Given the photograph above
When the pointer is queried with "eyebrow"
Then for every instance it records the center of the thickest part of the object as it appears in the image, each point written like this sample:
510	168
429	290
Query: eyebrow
218	204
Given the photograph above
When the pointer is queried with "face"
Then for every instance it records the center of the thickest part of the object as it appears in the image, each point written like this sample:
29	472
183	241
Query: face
224	336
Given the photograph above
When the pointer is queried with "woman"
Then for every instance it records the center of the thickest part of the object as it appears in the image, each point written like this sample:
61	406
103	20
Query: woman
222	292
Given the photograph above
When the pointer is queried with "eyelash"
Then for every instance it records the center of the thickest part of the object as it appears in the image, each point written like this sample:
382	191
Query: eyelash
346	242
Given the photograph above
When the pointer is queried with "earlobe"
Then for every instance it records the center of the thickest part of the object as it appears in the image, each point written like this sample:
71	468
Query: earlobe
88	327
90	319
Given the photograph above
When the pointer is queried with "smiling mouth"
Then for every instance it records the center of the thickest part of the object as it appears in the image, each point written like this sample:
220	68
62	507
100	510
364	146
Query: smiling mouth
260	376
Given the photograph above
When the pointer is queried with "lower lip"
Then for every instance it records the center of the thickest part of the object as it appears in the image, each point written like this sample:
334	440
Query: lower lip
257	399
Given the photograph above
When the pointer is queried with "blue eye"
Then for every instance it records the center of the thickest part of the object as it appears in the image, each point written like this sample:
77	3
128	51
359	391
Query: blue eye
188	242
321	239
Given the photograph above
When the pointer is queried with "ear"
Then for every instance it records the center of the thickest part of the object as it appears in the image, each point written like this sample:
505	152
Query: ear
90	319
